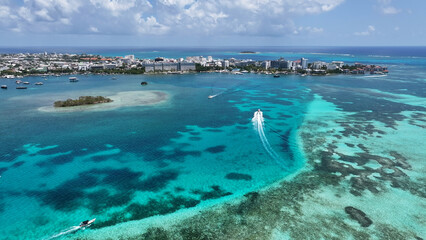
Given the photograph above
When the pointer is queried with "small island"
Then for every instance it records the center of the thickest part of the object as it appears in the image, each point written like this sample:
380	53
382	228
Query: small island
83	100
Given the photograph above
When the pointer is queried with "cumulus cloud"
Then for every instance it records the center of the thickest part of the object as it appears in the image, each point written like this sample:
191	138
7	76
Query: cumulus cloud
156	17
386	8
370	30
390	10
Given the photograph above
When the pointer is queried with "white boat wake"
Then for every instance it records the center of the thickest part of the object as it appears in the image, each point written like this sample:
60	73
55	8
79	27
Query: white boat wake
65	232
215	95
258	124
73	229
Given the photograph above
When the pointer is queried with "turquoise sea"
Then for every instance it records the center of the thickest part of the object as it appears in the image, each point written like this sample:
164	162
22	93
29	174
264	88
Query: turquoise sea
139	161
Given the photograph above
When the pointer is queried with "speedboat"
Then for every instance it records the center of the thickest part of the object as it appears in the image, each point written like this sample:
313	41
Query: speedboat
87	223
4	86
211	96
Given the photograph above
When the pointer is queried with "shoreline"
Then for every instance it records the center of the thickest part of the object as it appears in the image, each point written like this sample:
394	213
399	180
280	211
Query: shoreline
176	220
313	198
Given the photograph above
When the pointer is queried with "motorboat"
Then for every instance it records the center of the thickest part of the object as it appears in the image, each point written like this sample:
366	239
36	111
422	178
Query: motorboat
18	81
73	79
26	83
87	223
211	96
38	83
3	86
21	87
276	76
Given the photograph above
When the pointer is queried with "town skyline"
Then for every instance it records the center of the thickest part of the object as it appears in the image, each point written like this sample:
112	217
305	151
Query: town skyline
147	23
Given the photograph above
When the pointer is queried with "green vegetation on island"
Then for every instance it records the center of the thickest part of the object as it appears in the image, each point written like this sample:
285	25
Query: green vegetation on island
83	100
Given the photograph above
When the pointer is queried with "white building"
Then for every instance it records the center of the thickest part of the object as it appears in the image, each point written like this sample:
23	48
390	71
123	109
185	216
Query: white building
225	63
304	63
338	63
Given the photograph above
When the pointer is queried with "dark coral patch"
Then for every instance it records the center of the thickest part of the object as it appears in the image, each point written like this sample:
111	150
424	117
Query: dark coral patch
136	211
158	181
216	192
18	164
238	176
216	149
359	216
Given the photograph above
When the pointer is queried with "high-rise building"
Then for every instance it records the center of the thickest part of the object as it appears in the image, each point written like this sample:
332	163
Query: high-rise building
304	63
225	64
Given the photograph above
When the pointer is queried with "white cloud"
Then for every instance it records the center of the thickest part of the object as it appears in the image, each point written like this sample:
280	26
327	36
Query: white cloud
390	10
190	17
386	8
150	25
4	11
94	29
43	14
369	31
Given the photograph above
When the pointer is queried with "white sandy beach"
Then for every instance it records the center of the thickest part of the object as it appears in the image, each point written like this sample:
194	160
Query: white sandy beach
121	99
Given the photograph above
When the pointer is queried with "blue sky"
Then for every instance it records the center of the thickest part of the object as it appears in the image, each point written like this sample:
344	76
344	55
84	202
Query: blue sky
212	22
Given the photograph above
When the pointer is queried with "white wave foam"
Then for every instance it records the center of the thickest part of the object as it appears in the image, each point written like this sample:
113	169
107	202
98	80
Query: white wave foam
258	123
65	232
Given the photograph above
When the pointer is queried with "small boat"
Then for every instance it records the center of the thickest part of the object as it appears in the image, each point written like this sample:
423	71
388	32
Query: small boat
26	83
21	87
18	81
73	79
276	76
144	83
114	78
38	83
87	223
211	96
3	86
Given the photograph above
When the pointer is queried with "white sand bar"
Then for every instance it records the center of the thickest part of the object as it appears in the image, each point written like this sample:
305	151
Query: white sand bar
121	99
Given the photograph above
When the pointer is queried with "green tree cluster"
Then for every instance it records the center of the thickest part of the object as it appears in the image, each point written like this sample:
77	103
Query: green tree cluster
83	100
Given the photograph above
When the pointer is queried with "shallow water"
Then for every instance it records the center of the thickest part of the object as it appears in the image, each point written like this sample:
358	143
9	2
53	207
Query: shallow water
138	161
133	162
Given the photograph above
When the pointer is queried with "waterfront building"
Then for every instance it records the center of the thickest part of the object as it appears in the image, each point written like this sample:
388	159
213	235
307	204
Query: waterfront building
158	66
97	67
186	66
266	64
304	63
225	63
149	67
338	63
170	67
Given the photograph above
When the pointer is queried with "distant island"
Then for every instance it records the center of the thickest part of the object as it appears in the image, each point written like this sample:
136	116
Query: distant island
247	52
83	100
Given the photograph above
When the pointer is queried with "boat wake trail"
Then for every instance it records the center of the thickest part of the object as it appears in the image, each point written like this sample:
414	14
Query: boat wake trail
259	127
65	232
217	94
